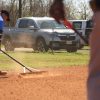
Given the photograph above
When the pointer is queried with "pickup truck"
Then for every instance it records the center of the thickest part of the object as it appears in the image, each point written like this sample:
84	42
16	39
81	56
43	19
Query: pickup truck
84	27
39	33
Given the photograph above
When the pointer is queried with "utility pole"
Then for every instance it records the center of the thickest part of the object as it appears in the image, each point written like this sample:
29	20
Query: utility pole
20	8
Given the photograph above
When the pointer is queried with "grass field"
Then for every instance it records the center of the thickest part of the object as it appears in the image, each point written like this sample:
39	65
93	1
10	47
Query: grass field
45	60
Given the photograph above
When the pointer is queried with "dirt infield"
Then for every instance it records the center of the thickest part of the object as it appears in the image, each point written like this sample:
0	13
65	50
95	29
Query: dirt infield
57	84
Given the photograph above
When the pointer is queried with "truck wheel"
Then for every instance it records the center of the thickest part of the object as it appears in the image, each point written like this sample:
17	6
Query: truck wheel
80	46
71	49
41	45
8	45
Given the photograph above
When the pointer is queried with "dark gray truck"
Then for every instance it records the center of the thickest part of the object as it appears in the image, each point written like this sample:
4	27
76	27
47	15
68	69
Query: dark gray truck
39	33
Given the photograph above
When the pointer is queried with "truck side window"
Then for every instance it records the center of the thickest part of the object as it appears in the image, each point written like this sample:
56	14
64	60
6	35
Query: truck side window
44	25
23	23
31	23
77	25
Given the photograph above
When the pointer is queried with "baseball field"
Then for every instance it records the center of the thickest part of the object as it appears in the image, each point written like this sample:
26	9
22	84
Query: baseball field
64	78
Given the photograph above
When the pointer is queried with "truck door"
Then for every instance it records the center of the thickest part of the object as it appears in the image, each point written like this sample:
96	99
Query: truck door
19	34
80	26
89	26
26	32
31	31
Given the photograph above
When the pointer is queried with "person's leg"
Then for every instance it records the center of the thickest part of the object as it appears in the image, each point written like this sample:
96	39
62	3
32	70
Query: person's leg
1	72
93	82
93	87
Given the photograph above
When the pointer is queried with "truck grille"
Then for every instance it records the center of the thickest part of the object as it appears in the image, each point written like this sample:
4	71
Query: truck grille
67	37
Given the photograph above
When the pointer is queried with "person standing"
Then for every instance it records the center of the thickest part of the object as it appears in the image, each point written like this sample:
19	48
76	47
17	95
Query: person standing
1	28
4	17
93	82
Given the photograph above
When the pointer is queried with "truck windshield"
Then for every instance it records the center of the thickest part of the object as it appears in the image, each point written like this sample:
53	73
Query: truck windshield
50	24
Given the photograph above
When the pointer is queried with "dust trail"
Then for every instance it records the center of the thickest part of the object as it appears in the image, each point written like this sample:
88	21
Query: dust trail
26	40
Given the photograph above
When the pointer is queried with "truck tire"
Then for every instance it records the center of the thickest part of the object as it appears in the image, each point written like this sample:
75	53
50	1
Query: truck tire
71	49
80	46
41	45
8	45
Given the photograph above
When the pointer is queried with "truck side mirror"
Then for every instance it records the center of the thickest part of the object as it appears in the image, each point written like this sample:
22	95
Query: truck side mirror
32	28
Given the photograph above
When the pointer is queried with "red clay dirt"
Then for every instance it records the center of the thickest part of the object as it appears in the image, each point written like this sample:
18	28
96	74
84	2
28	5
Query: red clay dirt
57	84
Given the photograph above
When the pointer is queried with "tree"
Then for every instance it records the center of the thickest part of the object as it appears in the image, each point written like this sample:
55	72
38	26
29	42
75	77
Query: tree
21	8
83	10
70	9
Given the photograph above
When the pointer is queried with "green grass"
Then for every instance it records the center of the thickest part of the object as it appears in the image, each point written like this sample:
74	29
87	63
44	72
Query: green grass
45	60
